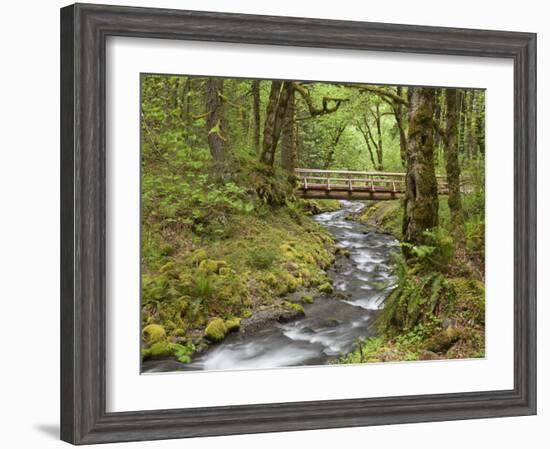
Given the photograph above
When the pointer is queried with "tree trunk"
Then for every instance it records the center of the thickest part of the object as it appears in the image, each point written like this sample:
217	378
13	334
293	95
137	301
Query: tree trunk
256	116
480	123
421	202
469	138
215	120
367	141
276	108
288	143
452	101
379	151
398	113
330	153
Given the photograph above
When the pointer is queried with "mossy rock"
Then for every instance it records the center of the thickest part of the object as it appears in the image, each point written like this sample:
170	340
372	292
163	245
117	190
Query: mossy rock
216	330
210	266
307	299
443	340
233	324
342	252
326	288
145	353
153	333
295	307
161	349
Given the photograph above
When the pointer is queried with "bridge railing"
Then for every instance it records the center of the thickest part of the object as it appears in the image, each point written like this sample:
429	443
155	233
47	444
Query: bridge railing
393	182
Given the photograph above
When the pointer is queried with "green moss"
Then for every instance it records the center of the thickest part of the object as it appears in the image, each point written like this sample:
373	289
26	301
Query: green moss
322	206
288	251
326	288
307	299
233	324
295	307
198	256
145	353
153	333
216	330
161	349
443	340
209	266
179	332
385	216
286	283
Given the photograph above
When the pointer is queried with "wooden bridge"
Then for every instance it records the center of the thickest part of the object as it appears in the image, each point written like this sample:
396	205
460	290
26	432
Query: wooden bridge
354	185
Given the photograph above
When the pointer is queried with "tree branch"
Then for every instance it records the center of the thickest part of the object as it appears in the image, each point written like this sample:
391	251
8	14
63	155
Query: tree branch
314	110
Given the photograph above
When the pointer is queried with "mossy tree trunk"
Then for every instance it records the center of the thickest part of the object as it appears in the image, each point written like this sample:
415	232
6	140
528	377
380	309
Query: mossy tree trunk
399	120
256	116
421	202
276	109
452	102
480	124
215	120
288	143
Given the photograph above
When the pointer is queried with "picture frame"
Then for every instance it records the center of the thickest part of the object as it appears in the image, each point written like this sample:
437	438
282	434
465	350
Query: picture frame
84	29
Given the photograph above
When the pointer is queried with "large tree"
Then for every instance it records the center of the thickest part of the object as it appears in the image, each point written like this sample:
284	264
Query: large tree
421	202
215	119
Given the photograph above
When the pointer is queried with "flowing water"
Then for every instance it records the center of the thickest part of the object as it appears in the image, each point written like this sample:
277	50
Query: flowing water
333	323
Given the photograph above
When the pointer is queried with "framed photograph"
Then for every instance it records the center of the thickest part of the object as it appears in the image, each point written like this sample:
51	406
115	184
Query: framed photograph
274	224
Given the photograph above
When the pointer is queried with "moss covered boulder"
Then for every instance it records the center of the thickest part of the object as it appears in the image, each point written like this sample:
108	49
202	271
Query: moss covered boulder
216	330
326	288
233	324
153	333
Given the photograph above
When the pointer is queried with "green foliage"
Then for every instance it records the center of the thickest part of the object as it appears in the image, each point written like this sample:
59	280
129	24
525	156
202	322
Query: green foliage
183	352
415	298
436	254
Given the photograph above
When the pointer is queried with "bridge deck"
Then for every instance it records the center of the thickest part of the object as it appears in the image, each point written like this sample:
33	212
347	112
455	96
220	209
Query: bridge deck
343	184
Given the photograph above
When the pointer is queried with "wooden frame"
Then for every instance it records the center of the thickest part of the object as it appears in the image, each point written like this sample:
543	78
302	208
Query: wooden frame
84	29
